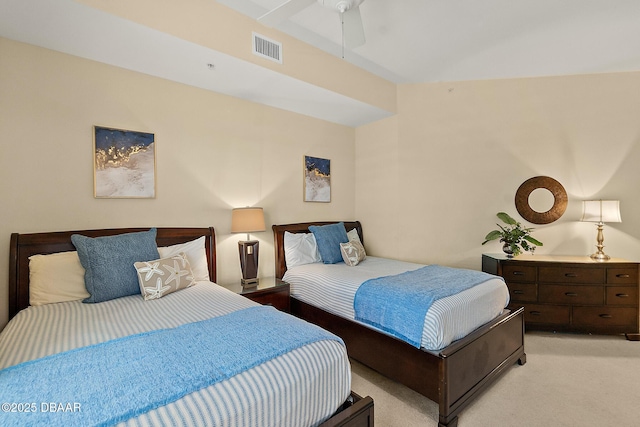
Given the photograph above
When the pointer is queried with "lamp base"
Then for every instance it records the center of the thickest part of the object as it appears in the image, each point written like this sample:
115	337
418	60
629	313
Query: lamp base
600	257
248	250
250	283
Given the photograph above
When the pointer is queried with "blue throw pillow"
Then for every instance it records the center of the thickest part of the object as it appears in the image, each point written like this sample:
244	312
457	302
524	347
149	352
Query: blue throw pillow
108	262
328	238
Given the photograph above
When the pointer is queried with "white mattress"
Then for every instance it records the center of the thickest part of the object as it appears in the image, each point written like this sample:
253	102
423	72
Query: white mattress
303	387
332	287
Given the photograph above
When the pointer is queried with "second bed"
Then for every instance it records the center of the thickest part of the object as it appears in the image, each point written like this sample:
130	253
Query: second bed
468	341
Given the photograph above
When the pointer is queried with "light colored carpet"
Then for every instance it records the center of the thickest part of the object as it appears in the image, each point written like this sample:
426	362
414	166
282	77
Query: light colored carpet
568	380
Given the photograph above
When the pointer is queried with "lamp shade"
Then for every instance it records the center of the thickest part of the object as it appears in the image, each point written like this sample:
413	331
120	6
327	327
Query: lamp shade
601	211
247	220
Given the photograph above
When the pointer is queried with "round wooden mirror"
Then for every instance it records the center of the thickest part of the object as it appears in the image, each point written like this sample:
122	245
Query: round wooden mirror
557	191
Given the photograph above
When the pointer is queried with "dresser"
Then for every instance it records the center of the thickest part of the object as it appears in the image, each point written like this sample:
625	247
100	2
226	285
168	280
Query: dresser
571	294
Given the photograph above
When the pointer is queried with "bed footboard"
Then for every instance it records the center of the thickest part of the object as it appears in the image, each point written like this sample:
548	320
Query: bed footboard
470	365
355	412
452	377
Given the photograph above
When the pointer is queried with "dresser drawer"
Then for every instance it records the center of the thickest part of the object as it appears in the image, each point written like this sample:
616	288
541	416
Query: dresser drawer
571	275
622	276
523	292
603	316
571	294
622	295
519	273
553	314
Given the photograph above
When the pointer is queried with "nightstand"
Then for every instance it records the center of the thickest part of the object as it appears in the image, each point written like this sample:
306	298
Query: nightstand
270	291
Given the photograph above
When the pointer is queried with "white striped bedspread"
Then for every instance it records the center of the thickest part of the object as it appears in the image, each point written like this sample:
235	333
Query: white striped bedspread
301	388
332	287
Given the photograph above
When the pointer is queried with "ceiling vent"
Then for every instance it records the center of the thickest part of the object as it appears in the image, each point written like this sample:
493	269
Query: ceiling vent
267	48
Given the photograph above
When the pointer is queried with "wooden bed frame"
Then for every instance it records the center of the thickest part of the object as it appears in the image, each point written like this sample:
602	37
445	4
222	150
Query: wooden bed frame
452	377
355	412
22	246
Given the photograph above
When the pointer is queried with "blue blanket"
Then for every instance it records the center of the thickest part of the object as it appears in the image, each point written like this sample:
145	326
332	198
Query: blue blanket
398	304
110	382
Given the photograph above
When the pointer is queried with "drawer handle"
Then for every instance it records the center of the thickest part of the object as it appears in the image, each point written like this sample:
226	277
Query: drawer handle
518	273
570	275
622	295
535	313
623	276
606	316
518	292
571	294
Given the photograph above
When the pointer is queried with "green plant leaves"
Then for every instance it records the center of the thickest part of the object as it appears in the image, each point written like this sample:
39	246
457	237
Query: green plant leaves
513	234
506	218
493	235
532	240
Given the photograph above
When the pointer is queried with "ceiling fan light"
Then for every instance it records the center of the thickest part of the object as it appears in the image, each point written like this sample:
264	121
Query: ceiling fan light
340	5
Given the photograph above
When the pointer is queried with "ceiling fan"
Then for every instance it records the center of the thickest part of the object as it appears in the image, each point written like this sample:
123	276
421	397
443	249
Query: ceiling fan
349	10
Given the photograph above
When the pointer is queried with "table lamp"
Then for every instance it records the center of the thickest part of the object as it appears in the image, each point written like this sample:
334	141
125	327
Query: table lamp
248	220
600	211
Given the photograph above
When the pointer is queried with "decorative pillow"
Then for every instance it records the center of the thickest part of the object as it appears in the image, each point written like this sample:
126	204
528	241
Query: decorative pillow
108	262
354	236
163	276
196	255
352	253
300	249
55	278
328	237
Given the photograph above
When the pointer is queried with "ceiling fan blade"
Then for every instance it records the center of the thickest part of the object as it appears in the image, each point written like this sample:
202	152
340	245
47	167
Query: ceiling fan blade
353	29
284	12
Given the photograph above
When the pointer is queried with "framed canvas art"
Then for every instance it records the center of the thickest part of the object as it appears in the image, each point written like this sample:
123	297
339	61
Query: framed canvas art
124	163
317	179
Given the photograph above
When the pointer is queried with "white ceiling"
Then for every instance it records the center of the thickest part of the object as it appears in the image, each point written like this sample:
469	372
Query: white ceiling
407	41
417	41
70	27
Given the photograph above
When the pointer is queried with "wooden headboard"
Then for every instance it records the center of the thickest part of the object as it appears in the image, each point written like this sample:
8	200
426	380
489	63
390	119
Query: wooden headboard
301	227
22	246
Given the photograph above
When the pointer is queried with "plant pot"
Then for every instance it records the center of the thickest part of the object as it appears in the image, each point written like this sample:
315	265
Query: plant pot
506	248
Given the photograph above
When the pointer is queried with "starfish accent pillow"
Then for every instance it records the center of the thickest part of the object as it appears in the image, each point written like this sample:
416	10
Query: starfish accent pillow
352	253
163	276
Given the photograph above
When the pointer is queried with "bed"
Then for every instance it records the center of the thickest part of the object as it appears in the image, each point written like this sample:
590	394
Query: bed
305	385
451	376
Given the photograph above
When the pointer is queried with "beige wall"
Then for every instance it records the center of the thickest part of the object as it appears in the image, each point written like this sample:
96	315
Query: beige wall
213	25
426	183
214	152
430	181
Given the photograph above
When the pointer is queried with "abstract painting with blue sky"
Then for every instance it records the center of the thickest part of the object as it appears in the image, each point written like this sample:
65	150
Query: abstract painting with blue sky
317	179
124	163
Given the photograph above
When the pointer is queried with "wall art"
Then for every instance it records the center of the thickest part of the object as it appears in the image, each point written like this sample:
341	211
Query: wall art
124	163
317	179
524	207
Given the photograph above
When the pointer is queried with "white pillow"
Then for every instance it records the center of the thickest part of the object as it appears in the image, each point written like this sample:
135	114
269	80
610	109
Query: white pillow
164	276
300	249
196	255
352	253
353	236
55	278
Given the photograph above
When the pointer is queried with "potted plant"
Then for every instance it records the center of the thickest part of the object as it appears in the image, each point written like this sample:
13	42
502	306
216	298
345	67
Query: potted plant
514	236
